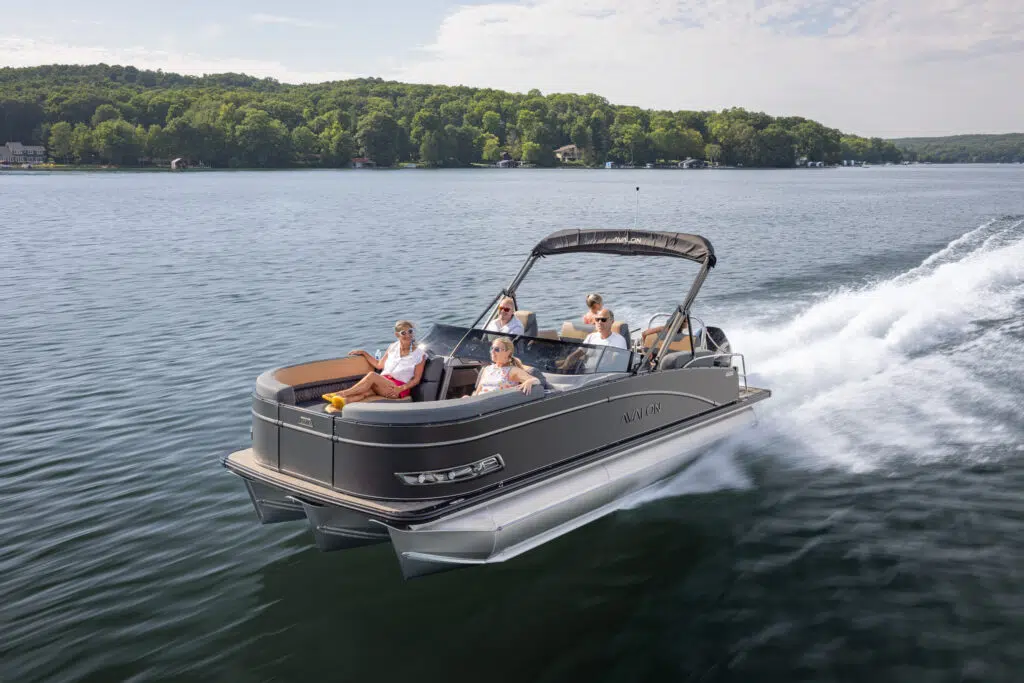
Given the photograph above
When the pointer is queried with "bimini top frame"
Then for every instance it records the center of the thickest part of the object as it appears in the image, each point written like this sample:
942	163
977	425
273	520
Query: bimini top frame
622	243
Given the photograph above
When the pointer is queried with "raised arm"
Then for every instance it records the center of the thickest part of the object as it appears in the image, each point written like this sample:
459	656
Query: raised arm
377	364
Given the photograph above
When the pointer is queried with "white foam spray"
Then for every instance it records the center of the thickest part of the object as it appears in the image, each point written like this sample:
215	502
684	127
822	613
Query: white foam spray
921	365
928	364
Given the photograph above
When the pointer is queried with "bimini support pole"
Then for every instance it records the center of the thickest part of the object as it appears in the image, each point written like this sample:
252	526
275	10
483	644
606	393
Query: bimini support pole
675	323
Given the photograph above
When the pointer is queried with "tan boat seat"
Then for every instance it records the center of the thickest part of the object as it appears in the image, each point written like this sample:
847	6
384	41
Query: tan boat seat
571	331
529	321
681	342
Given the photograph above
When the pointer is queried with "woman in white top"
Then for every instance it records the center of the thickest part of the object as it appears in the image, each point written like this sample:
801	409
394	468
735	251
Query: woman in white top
505	372
401	370
505	322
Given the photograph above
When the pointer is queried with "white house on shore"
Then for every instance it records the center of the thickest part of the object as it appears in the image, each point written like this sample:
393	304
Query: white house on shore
17	153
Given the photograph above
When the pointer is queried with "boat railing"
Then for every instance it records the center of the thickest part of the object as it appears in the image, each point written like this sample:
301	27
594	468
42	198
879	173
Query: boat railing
730	355
650	323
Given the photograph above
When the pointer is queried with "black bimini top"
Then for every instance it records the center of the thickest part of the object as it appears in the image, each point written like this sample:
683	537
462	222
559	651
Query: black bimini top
628	243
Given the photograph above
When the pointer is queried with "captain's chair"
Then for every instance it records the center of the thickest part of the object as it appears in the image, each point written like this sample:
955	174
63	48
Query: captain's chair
529	321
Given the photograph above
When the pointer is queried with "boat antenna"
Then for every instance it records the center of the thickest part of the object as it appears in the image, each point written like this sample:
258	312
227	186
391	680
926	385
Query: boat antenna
636	218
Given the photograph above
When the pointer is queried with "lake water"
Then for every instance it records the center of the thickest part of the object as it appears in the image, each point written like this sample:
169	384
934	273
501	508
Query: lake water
870	528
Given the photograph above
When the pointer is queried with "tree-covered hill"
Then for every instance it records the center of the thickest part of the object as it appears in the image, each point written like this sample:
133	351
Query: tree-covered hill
965	148
124	115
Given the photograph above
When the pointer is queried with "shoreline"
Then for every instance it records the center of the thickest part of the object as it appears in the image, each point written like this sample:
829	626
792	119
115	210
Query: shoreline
95	168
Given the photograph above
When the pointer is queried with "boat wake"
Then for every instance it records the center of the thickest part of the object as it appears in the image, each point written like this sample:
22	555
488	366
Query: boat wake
926	364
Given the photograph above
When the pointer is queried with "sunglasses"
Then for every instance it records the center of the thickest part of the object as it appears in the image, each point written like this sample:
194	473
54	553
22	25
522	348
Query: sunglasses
497	349
601	320
406	333
504	309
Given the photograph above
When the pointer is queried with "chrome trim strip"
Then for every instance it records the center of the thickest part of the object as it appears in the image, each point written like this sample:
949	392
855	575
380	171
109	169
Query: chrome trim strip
453	442
265	418
350	533
288	425
670	393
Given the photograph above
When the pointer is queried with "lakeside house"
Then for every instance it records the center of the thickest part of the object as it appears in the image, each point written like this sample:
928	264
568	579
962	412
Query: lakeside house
363	162
569	153
690	162
17	153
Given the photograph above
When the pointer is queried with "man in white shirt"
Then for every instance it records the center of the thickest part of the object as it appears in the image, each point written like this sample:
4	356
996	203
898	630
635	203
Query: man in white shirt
604	335
505	322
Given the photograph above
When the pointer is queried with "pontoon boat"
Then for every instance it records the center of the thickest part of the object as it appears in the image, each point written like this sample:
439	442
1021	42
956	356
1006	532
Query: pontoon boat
451	481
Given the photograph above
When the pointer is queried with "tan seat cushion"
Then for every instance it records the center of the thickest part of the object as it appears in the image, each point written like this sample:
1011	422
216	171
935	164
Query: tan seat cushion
571	331
679	345
374	399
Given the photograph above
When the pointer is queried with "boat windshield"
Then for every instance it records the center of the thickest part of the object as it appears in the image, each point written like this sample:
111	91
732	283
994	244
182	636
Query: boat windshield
547	355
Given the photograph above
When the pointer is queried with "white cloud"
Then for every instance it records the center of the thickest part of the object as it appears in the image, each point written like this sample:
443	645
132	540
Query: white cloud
888	67
19	51
211	31
288	21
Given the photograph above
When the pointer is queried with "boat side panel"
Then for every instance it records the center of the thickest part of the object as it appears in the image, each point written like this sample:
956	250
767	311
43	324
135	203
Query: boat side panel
528	437
306	445
265	432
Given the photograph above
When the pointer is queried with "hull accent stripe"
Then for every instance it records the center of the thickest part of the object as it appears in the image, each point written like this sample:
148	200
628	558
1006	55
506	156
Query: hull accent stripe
453	442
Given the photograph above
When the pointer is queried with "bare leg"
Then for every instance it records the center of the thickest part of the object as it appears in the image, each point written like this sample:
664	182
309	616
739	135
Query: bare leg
371	384
356	398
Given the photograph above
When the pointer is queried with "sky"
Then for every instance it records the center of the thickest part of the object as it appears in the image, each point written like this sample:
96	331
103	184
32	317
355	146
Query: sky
891	68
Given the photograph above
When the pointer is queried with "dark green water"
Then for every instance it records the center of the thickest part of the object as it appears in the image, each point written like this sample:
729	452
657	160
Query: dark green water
870	528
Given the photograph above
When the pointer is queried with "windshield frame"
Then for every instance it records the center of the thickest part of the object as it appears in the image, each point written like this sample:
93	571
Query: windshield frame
550	356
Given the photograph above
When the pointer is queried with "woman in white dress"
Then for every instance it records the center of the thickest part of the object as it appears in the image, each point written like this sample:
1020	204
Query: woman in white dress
401	370
505	372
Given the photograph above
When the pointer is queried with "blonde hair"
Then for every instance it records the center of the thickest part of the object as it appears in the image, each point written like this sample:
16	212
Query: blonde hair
403	325
594	298
510	347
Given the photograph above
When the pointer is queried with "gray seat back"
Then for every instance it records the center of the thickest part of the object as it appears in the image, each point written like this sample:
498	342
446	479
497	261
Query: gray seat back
430	383
679	359
529	321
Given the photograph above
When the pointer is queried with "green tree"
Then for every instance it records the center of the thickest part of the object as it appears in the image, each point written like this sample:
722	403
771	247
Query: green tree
531	153
158	144
491	123
377	137
491	148
115	142
712	152
305	145
82	144
262	140
61	139
776	147
105	112
428	135
336	145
